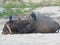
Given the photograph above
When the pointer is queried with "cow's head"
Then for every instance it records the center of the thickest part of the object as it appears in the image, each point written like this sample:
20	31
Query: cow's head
22	25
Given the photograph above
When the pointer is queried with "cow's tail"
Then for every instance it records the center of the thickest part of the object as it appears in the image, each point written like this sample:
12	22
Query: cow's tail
58	29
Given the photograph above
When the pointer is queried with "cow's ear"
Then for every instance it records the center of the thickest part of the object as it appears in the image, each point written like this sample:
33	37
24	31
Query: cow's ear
10	18
33	15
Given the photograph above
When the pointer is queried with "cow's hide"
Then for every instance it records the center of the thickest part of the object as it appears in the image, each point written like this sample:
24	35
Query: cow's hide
45	24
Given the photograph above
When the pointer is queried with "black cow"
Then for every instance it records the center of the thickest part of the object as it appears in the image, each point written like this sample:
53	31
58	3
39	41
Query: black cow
34	24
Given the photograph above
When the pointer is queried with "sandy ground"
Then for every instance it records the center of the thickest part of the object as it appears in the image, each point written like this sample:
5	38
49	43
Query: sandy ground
29	39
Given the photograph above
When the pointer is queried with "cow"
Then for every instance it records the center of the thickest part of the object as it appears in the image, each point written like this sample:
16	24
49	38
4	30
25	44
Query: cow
33	24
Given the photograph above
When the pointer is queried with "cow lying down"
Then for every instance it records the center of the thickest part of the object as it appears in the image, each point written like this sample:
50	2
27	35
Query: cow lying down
33	24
